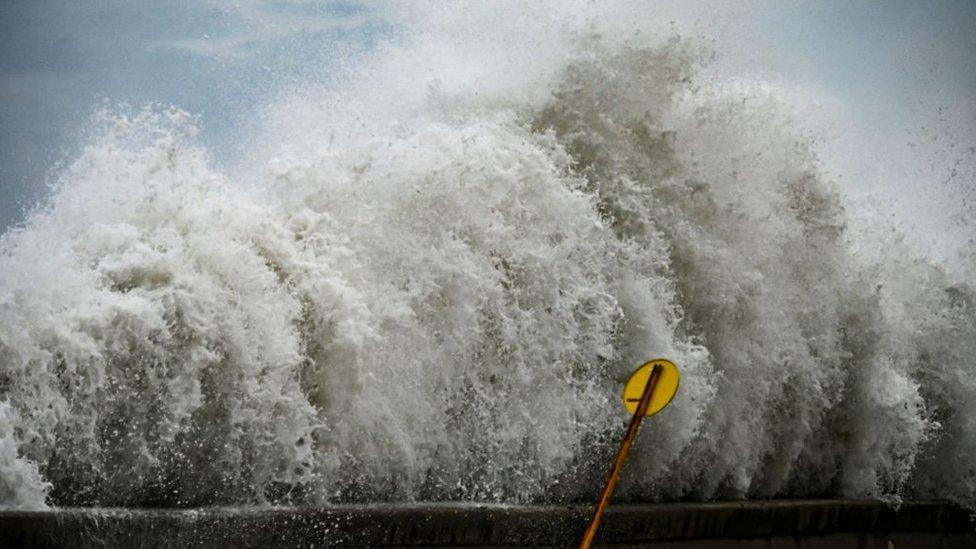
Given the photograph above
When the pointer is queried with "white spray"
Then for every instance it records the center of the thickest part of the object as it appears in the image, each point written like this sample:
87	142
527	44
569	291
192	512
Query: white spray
433	287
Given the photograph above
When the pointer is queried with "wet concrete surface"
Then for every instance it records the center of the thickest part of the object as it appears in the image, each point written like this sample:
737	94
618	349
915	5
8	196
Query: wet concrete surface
809	524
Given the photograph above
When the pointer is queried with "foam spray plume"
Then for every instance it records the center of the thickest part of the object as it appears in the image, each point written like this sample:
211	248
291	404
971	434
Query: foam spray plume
441	303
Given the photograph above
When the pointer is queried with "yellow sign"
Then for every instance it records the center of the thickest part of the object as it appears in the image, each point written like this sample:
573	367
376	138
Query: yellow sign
664	390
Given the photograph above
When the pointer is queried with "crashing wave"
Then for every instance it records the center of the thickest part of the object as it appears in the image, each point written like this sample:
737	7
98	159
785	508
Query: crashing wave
444	306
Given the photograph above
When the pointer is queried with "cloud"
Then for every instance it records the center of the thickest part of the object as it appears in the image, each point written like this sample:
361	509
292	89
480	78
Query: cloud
252	27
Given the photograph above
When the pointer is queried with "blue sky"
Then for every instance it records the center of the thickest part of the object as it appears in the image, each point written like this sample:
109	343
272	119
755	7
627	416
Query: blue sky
61	60
898	79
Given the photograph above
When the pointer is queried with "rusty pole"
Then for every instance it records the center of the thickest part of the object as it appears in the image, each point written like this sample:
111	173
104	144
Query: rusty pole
618	462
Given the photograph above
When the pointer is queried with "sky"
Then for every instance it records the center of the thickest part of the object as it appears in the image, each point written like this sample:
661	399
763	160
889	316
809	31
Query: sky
890	85
61	60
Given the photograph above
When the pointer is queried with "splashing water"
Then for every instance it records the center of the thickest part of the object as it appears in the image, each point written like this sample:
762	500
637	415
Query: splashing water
435	293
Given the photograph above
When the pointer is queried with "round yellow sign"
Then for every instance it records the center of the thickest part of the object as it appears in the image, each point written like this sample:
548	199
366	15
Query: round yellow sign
664	390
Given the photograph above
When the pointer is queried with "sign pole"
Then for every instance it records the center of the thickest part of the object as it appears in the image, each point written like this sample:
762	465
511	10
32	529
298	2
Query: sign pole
618	462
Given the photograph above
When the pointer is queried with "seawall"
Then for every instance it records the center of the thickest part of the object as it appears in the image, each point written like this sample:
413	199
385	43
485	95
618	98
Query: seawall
748	524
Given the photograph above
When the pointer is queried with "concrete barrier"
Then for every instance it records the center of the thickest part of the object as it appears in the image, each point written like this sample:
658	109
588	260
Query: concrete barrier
805	524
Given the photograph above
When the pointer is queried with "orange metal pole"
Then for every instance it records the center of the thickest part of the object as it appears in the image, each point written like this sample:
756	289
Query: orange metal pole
618	462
